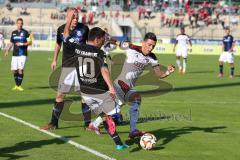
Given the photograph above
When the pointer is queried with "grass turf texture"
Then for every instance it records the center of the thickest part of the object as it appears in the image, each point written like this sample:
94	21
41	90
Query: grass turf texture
198	120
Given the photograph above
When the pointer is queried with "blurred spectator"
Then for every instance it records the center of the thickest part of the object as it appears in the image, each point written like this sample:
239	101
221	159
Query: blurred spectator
9	6
24	12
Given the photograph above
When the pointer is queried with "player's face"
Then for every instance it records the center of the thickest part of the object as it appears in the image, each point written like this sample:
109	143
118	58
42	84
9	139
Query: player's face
148	45
227	31
99	42
182	31
19	25
75	20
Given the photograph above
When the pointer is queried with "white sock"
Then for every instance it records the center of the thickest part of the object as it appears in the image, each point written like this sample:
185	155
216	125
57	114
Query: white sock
184	64
179	64
97	122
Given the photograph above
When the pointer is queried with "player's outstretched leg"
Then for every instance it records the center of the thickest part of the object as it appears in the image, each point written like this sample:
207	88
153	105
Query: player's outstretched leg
135	100
110	127
56	112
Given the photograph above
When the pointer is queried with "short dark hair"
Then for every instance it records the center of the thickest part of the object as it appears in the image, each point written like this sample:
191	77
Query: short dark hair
151	36
19	19
96	32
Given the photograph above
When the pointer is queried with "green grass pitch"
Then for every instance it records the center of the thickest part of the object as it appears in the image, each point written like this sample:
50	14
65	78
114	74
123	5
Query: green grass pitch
198	120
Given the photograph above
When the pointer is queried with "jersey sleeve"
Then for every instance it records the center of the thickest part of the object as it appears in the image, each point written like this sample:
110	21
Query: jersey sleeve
59	37
104	62
153	60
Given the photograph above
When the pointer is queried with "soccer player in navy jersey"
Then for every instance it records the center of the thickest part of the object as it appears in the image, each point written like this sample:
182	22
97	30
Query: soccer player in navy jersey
227	54
19	41
79	32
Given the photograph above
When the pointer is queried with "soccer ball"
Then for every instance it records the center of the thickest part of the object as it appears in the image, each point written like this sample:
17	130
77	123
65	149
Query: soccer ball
148	141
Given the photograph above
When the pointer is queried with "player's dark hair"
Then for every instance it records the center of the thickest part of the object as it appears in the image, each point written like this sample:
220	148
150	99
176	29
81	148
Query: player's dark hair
19	19
95	32
151	36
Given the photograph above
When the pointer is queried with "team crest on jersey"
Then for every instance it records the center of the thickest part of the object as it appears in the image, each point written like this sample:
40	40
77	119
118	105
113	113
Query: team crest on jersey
79	33
21	34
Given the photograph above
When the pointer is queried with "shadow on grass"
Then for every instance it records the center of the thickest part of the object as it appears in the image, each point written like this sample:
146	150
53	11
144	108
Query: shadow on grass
10	152
199	72
169	134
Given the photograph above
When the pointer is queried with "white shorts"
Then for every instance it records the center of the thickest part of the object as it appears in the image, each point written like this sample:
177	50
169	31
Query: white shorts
18	62
182	52
99	102
227	57
68	79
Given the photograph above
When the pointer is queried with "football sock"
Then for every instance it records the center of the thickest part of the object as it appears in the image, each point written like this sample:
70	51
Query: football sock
184	64
179	63
232	71
20	79
16	78
109	123
134	114
56	112
86	114
221	69
98	121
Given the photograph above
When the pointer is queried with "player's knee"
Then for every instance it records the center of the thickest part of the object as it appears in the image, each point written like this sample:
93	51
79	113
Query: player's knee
20	71
135	98
59	97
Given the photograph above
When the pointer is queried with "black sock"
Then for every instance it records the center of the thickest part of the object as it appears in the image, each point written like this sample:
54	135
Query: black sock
15	77
56	112
232	71
86	114
20	79
114	135
221	69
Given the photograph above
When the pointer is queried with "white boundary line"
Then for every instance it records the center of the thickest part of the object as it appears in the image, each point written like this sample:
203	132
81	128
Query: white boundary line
79	146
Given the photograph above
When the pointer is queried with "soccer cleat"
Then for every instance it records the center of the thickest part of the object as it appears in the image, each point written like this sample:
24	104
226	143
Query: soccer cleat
19	88
121	147
220	75
14	88
136	133
91	127
49	126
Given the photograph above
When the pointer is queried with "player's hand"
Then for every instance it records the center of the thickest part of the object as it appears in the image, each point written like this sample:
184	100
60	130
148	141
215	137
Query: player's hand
53	65
6	53
70	14
112	92
19	44
171	68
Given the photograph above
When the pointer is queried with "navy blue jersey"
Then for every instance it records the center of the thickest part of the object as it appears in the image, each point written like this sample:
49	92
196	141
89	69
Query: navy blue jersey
88	60
19	37
228	42
79	34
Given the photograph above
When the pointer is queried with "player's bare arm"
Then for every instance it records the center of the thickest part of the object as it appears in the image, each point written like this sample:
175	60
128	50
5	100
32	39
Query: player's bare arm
106	76
162	74
10	45
70	16
175	44
55	56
